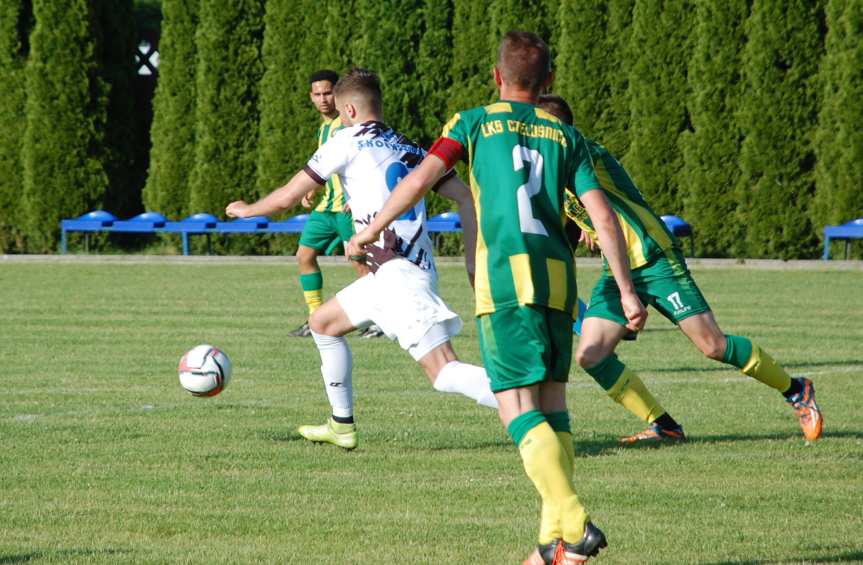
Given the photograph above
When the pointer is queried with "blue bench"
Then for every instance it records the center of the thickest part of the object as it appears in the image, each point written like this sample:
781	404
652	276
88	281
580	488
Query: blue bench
207	224
95	221
847	232
680	228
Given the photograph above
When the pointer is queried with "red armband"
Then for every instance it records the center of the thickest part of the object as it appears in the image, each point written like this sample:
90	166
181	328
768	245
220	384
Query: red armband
447	150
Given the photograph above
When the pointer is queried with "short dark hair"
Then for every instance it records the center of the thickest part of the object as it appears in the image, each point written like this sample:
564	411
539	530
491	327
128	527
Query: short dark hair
324	74
556	106
364	83
524	60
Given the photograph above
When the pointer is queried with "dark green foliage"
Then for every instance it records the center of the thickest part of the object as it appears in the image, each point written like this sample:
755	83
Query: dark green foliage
64	175
591	68
115	51
839	138
229	39
778	114
660	49
14	26
433	63
537	16
389	33
711	152
172	156
473	56
613	124
583	77
287	134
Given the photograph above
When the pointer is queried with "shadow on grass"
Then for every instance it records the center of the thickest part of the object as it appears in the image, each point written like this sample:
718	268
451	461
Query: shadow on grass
850	557
719	367
61	553
445	445
593	447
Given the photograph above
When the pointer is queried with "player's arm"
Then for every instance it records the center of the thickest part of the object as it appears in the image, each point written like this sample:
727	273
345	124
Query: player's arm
454	189
613	247
283	198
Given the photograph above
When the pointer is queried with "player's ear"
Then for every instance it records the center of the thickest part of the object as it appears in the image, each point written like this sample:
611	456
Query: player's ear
549	80
498	78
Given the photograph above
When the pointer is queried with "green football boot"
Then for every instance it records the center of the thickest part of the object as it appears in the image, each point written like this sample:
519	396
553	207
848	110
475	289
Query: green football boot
342	435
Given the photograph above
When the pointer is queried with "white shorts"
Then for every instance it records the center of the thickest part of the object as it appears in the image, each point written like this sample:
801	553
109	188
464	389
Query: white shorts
402	300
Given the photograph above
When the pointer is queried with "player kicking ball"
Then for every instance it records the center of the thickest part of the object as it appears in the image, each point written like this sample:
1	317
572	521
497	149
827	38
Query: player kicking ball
400	293
662	280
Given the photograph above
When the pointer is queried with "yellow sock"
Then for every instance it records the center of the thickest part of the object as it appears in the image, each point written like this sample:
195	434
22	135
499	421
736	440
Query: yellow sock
548	520
314	298
629	391
565	439
762	367
546	462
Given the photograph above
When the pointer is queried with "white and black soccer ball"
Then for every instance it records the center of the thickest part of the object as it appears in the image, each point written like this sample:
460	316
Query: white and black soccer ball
205	370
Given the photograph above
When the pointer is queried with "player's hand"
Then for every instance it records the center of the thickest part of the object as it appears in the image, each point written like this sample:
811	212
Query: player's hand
634	310
586	240
237	209
307	200
357	244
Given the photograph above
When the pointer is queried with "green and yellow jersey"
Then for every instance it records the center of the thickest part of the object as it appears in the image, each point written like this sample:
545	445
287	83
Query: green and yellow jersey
334	199
645	233
520	159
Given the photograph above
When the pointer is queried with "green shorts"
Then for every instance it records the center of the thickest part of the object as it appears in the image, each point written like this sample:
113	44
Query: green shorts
525	345
322	228
665	283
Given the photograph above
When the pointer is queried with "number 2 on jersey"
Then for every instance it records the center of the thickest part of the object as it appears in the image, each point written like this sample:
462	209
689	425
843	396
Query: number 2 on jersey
523	194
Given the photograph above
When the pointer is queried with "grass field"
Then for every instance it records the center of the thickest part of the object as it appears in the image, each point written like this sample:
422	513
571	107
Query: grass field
105	459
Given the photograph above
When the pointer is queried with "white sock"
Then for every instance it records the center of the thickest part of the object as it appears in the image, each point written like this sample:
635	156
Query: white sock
336	365
468	380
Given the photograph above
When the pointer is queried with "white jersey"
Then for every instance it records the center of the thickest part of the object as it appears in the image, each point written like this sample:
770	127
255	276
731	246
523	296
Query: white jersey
370	159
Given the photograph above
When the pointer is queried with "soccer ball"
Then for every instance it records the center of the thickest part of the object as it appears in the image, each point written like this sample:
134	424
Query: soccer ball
205	370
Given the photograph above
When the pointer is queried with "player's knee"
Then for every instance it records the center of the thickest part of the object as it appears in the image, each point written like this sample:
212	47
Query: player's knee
713	347
318	323
589	356
307	257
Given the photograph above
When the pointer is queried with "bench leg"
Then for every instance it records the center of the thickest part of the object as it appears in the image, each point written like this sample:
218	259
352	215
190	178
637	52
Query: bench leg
826	255
63	242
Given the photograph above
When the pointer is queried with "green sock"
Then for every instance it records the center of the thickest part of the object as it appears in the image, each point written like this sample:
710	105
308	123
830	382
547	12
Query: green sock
312	285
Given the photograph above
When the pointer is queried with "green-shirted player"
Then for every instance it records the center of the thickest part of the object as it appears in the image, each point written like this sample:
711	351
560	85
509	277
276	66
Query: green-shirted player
520	159
663	281
330	223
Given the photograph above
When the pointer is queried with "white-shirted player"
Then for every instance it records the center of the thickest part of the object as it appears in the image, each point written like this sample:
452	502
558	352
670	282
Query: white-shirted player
400	294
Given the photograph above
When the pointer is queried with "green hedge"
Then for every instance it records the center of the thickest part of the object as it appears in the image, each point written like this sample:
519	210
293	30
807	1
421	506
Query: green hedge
712	149
777	114
172	156
839	138
229	39
660	52
742	115
15	20
66	115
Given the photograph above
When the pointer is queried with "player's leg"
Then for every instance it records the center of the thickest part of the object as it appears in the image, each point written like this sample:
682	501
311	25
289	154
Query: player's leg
604	326
317	234
329	324
516	369
344	226
436	356
405	304
742	353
